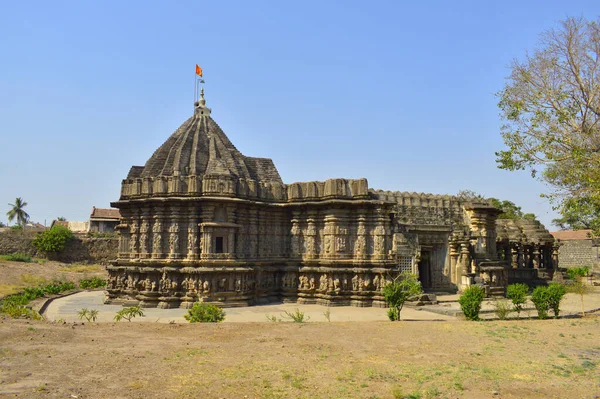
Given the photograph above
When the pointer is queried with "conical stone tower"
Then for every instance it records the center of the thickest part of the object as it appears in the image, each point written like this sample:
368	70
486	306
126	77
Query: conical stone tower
203	222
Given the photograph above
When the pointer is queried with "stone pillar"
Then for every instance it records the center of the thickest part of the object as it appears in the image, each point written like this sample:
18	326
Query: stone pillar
360	245
514	255
535	251
454	253
555	249
242	233
310	237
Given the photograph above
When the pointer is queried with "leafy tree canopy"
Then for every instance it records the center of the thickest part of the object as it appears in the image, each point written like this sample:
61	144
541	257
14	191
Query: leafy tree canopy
550	106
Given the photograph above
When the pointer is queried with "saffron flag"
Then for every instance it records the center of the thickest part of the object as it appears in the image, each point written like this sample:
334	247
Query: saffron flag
198	70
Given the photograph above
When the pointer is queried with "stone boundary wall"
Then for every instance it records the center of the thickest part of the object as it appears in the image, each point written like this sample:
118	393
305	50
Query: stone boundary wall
80	249
574	253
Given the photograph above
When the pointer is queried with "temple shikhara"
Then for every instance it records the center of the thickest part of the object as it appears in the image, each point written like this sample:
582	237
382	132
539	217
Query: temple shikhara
203	222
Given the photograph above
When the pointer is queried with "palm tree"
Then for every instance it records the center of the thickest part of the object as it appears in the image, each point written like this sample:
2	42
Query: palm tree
18	212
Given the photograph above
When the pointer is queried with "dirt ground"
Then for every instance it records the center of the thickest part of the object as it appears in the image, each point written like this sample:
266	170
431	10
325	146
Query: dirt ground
457	359
408	359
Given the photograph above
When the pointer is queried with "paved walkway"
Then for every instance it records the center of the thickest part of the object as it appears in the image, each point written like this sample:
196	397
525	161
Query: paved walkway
66	308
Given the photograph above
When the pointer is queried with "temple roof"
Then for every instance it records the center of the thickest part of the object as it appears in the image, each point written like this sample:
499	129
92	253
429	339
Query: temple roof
199	147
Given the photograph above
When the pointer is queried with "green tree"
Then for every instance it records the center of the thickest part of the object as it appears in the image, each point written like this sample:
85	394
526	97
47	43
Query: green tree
61	219
17	211
550	107
403	287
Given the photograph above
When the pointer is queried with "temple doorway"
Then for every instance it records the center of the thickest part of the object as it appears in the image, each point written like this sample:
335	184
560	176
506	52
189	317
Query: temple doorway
425	269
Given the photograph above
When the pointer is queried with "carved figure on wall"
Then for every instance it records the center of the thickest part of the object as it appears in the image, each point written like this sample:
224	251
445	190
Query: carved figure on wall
355	283
323	283
192	240
360	245
377	283
328	244
312	283
206	286
379	244
304	282
336	285
157	238
147	284
367	283
174	238
144	228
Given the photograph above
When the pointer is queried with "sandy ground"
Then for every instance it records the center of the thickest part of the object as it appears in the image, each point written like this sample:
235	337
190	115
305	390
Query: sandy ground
338	359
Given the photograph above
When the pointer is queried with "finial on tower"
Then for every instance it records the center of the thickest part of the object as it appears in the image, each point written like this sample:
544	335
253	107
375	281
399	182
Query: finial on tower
202	100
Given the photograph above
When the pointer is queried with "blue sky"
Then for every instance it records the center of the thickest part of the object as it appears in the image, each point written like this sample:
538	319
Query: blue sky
401	93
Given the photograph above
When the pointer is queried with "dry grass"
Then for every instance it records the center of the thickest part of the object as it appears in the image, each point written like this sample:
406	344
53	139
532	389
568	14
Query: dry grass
81	269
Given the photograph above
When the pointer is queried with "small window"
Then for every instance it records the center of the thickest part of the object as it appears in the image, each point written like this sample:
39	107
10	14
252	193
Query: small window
219	245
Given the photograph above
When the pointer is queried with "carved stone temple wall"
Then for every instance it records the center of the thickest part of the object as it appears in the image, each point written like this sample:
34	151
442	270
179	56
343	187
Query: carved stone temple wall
202	222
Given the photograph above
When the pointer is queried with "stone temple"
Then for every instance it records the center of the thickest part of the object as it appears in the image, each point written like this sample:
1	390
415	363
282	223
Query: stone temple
203	222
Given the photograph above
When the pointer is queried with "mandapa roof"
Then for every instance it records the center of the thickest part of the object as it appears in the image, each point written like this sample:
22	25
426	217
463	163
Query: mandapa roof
200	147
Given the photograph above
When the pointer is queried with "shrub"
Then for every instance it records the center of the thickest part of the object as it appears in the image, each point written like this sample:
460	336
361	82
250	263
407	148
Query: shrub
129	313
576	272
502	308
403	287
540	299
94	282
89	315
16	305
556	292
297	316
517	293
470	302
17	257
53	240
202	312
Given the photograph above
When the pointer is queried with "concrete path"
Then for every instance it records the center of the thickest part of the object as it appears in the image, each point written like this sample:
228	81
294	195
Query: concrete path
66	308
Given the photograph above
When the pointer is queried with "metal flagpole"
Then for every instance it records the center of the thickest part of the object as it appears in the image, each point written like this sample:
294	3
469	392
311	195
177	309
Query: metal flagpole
195	85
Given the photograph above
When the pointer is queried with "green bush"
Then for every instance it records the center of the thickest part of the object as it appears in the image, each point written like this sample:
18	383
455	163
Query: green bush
202	312
53	240
17	257
517	293
94	282
541	301
575	272
16	305
470	301
556	292
404	286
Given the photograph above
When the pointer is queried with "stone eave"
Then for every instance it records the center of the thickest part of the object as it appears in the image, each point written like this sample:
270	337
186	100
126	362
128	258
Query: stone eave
327	202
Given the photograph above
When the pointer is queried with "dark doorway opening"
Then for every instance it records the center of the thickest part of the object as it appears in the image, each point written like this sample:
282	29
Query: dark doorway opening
219	245
425	269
